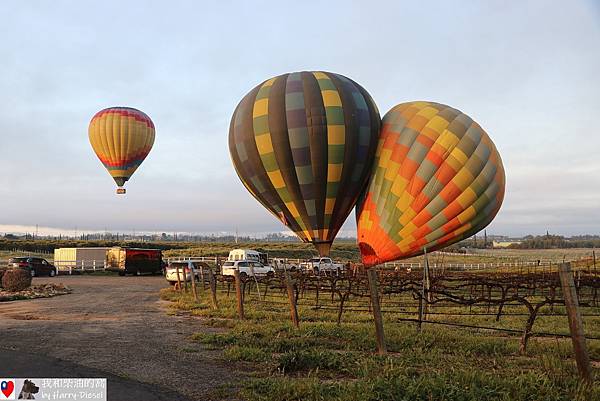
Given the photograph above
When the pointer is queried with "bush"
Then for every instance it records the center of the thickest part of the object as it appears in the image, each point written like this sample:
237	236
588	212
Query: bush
16	280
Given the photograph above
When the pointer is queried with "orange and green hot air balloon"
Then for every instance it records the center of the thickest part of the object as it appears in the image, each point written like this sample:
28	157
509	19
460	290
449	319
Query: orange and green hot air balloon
303	145
437	179
122	137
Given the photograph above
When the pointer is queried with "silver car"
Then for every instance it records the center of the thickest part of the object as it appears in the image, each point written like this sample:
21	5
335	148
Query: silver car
187	270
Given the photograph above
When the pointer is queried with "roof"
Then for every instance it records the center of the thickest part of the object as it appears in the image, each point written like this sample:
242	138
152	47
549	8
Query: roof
86	247
244	250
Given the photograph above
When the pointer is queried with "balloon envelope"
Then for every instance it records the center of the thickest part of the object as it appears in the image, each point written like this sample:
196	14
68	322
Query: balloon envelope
303	145
437	179
121	137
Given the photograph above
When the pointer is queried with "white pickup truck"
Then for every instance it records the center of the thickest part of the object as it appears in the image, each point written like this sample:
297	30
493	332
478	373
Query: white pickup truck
321	265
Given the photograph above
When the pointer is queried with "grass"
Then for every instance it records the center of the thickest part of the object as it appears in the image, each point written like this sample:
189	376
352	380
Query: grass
5	255
325	361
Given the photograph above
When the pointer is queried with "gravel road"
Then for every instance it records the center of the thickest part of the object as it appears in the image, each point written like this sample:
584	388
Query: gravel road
112	325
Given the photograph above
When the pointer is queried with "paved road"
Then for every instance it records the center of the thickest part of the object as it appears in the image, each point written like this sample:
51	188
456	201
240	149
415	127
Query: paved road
114	327
23	365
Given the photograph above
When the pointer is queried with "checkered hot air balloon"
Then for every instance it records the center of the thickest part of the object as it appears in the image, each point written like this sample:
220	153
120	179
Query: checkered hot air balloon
303	145
437	178
121	137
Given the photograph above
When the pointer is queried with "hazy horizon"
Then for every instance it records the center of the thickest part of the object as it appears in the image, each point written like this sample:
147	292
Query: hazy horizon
527	72
77	231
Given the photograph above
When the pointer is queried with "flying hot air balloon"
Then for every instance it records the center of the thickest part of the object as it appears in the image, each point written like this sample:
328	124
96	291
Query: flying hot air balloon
303	145
437	178
121	137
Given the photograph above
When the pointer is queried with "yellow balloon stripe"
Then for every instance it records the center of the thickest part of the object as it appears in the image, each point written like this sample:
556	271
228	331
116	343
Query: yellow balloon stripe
121	138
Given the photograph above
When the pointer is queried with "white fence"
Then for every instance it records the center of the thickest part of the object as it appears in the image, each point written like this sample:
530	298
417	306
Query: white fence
69	266
395	265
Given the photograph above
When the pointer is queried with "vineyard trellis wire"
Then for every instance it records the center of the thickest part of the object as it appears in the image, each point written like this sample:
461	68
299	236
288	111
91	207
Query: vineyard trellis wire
530	293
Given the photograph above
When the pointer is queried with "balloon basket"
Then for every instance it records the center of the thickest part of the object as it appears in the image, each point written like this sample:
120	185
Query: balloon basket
121	191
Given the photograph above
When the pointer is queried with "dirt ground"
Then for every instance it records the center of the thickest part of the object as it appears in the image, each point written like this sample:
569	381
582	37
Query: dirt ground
115	325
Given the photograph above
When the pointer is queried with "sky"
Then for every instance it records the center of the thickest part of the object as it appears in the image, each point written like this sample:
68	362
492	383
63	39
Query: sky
527	71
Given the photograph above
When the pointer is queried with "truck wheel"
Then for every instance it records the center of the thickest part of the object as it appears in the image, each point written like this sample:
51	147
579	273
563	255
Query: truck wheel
270	274
243	276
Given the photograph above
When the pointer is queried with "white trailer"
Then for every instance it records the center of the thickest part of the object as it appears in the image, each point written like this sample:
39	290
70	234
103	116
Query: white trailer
66	259
248	254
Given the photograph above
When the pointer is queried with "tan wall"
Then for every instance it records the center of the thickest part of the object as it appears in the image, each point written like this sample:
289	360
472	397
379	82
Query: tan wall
75	257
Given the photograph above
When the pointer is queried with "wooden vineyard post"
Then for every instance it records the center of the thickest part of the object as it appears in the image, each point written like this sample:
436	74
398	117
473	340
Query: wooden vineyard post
424	291
194	286
292	299
202	278
213	289
178	279
575	324
374	290
257	286
426	283
238	293
185	284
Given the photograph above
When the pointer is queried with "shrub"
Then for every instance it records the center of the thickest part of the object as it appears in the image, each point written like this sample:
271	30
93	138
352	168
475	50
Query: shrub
16	280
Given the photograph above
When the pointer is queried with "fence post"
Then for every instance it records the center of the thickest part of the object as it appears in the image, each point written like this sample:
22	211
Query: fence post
238	294
194	285
374	290
426	283
202	278
185	282
178	279
292	299
575	324
213	289
256	281
424	290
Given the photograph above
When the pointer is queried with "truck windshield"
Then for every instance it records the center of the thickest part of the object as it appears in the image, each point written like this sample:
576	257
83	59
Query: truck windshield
315	260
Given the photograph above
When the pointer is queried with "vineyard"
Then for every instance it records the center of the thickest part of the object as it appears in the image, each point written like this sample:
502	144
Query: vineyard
304	314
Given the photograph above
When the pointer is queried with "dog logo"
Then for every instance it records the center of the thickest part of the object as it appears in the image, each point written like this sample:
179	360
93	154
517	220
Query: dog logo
28	390
7	389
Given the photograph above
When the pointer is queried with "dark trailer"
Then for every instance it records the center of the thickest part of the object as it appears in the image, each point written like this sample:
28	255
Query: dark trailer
134	260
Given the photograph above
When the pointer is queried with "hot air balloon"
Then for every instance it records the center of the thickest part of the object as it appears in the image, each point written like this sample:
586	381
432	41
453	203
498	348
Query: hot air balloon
122	138
437	178
303	145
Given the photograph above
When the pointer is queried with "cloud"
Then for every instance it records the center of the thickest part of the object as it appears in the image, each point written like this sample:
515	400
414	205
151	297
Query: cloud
527	73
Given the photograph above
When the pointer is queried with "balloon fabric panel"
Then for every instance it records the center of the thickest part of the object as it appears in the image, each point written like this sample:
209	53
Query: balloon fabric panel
302	144
437	179
121	137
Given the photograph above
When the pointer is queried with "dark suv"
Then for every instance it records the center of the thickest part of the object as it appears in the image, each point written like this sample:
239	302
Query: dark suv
35	266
